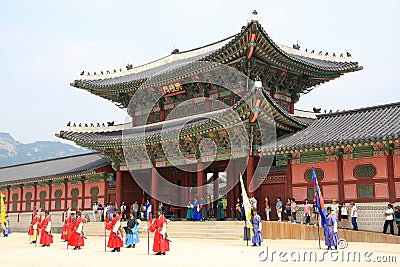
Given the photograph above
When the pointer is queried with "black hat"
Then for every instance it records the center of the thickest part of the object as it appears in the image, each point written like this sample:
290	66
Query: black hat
46	212
160	210
78	212
329	209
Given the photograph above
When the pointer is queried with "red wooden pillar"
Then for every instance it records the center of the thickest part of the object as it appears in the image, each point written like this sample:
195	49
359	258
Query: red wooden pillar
216	185
35	195
83	193
340	178
154	189
288	181
118	189
50	194
105	191
21	186
8	198
250	171
230	177
65	194
200	180
391	182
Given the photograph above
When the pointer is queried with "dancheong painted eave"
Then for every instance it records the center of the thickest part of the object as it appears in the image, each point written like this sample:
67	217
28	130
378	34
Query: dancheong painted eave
252	41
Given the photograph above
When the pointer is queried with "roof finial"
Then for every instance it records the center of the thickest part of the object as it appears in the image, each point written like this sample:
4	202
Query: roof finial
254	16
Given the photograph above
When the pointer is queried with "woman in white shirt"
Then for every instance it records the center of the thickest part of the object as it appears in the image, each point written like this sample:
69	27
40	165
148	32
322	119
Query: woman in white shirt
344	215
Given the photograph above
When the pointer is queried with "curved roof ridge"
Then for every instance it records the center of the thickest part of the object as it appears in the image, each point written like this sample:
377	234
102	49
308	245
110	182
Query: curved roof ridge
358	110
164	60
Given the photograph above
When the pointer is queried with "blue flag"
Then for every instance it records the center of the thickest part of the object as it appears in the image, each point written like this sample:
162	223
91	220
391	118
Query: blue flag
318	199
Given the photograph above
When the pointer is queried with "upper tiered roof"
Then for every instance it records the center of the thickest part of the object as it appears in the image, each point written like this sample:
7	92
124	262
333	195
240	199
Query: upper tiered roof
251	43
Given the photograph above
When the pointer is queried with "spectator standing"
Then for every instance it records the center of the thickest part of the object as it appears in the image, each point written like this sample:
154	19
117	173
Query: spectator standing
278	207
354	215
344	215
307	212
397	217
238	210
389	219
123	211
288	209
253	203
111	210
100	211
335	208
267	207
224	205
94	210
293	208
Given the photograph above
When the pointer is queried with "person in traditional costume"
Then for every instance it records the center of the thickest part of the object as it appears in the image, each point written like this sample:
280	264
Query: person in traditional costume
33	228
331	229
46	238
220	211
257	227
159	227
189	213
64	231
131	230
7	229
196	210
77	239
148	209
115	240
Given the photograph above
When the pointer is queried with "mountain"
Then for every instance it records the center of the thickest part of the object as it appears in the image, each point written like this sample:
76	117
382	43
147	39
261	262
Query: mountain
13	152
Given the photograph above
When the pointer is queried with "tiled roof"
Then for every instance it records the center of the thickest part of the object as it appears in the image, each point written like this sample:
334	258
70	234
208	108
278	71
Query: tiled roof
180	59
52	168
113	135
347	127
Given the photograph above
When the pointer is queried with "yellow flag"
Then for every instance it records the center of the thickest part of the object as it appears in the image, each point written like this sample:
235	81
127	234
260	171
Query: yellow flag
246	205
2	211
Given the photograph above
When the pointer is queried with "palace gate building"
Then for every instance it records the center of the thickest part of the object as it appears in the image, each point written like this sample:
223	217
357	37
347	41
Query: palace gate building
356	153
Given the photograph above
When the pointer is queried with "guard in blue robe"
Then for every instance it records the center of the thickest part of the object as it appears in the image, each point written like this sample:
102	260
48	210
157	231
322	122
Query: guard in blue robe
331	230
196	210
131	230
7	228
257	228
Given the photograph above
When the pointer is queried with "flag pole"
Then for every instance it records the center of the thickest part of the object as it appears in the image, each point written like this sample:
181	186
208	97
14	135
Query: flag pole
319	237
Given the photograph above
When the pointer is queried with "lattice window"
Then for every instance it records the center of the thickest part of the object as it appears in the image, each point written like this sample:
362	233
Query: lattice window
74	204
15	197
14	207
75	192
28	196
364	171
365	191
94	191
58	204
42	205
318	172
58	193
28	206
310	193
43	194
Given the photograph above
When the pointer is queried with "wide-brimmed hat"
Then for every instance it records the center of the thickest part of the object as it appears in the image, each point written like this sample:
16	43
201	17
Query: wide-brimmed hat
160	210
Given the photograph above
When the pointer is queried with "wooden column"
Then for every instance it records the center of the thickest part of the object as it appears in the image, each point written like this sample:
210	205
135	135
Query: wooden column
216	185
35	195
49	183
390	171
118	189
250	172
230	177
8	198
21	186
65	194
200	180
289	192
105	192
340	178
154	190
83	193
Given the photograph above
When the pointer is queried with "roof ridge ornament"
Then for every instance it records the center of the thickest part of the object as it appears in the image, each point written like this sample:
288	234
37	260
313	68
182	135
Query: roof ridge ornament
254	16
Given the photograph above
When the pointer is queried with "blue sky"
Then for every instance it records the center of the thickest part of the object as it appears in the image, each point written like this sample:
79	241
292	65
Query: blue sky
44	45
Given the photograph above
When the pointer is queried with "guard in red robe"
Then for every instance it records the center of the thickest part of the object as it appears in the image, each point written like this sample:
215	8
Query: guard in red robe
159	227
64	229
46	238
34	228
115	240
77	240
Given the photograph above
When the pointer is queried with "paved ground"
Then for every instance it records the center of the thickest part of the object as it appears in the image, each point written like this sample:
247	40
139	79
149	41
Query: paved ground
16	251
